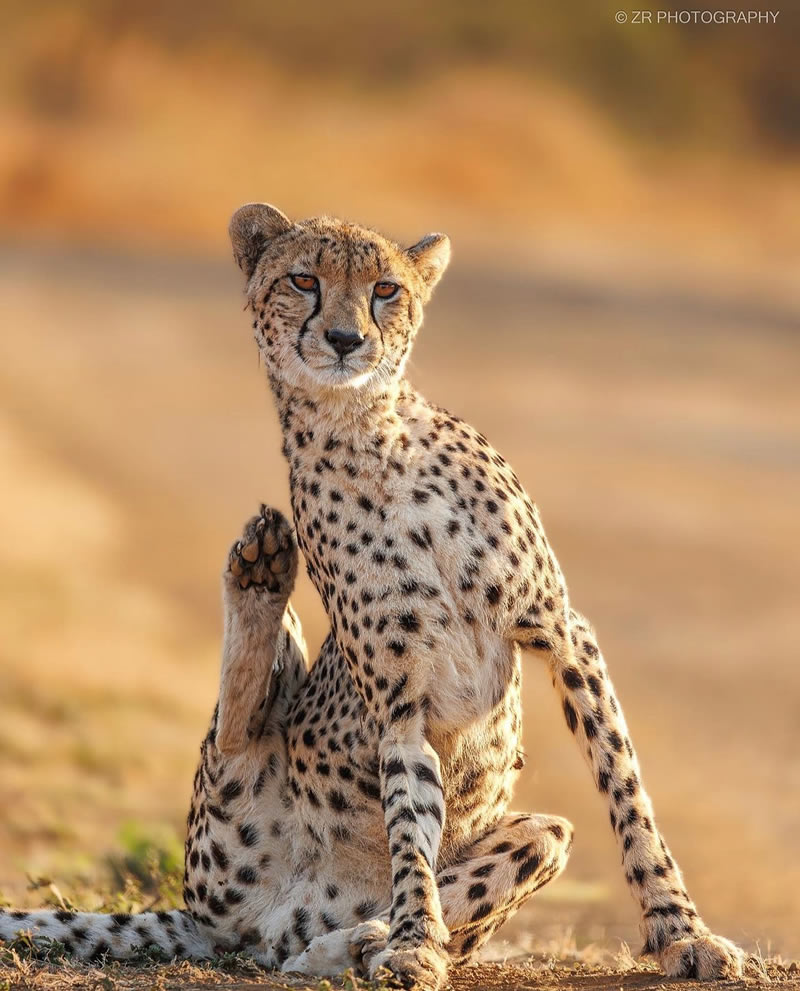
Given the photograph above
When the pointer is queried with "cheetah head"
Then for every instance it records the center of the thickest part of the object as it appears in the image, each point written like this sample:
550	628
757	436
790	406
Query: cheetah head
336	306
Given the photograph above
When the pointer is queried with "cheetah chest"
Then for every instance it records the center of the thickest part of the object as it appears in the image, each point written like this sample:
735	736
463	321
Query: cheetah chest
387	569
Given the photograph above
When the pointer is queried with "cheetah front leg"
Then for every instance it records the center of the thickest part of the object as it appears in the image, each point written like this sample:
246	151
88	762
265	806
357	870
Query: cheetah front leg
413	803
670	925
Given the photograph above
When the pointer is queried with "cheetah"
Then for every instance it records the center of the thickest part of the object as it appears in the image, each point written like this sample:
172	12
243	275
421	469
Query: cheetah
356	811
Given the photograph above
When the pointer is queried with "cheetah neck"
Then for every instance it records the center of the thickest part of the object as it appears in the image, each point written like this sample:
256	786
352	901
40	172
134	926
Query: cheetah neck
360	422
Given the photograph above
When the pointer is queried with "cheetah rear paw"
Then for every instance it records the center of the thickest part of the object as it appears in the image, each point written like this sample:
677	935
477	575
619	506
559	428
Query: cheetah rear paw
368	940
264	559
422	967
708	957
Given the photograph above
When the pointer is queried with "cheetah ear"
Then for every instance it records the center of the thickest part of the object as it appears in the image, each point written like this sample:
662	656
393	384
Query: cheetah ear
430	257
251	229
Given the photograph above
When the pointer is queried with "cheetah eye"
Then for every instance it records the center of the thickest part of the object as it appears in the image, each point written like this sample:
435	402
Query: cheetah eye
305	283
385	290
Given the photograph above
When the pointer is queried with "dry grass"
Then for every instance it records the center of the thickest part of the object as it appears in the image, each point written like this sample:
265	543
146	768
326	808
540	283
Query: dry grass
591	970
557	962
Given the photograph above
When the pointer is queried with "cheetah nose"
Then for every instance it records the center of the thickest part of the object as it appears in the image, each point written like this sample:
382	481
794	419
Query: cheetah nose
343	341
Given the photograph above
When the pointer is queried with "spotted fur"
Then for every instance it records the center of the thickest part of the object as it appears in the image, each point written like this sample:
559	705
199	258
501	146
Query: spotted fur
357	811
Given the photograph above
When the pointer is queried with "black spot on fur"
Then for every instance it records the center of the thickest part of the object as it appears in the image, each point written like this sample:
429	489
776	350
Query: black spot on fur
573	679
233	789
571	716
248	834
219	856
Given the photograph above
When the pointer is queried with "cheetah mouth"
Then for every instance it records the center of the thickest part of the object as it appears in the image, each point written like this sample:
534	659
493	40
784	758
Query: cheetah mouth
345	368
342	374
339	374
337	371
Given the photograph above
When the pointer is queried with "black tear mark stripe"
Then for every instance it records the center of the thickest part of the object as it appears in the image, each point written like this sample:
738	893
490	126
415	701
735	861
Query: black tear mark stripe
298	344
375	321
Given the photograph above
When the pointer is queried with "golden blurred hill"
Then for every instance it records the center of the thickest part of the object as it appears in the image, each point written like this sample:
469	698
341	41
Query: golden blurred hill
549	128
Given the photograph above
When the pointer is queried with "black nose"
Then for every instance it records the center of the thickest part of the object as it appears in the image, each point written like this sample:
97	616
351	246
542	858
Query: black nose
343	341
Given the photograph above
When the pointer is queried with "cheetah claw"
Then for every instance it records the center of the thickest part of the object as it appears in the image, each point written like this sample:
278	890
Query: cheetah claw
708	957
422	967
265	557
368	940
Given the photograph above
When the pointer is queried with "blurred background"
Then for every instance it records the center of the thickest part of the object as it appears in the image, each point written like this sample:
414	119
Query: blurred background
621	317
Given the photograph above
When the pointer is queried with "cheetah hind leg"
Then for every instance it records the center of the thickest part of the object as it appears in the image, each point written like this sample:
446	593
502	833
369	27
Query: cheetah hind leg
261	629
672	929
497	874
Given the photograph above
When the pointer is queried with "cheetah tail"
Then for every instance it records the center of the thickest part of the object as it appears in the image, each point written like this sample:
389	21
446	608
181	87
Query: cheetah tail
93	935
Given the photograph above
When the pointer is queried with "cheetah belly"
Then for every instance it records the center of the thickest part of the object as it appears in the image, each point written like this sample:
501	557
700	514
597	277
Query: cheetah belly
472	665
472	674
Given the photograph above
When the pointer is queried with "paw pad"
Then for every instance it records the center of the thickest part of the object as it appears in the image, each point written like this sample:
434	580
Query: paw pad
265	557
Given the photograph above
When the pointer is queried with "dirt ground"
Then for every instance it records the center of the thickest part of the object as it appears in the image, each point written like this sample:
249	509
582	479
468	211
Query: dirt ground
533	974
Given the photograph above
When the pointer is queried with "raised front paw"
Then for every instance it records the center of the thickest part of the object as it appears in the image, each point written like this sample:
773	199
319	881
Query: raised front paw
708	958
264	559
368	940
411	967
